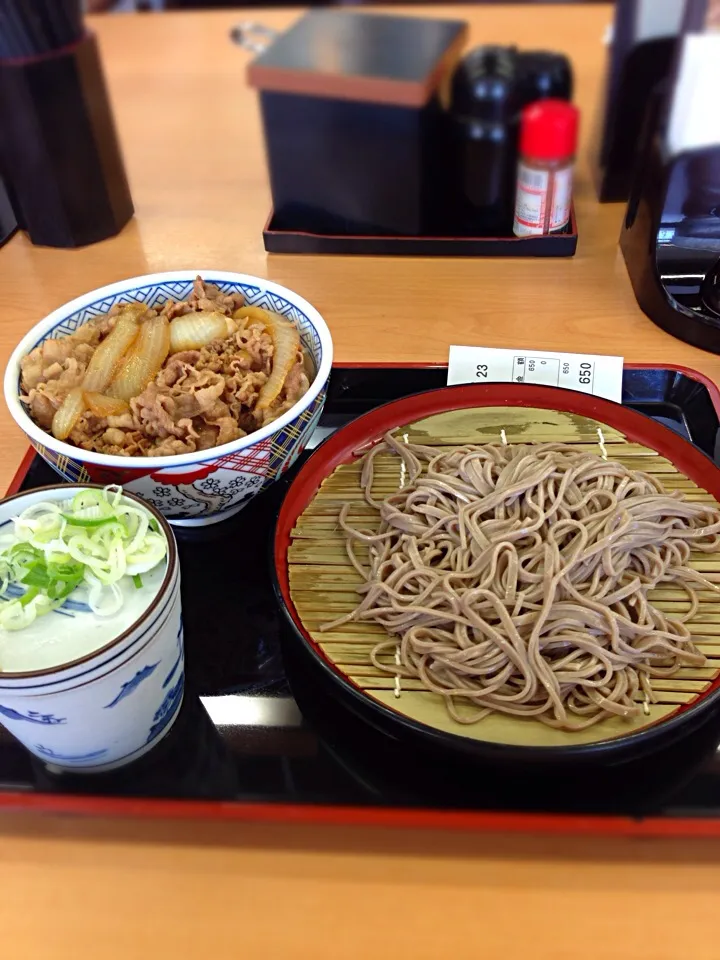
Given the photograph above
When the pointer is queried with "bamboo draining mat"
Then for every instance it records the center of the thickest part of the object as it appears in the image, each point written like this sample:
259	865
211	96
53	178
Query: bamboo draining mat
323	582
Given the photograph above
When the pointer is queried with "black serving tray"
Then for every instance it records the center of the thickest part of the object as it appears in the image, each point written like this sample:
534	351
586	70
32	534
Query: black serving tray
282	237
245	747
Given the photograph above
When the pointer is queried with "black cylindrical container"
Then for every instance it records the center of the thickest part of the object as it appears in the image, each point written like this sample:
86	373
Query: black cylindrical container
59	149
542	75
483	141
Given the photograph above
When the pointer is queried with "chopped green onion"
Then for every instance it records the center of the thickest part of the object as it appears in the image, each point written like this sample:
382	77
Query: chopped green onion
60	570
22	553
29	595
93	540
36	575
81	522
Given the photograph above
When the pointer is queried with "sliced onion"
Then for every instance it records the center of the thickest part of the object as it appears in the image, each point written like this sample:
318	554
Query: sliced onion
104	599
104	361
15	616
194	330
144	359
104	406
68	414
147	556
135	310
286	339
255	314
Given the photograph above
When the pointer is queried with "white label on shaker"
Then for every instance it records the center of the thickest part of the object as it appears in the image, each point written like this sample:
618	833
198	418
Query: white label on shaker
589	373
561	195
530	200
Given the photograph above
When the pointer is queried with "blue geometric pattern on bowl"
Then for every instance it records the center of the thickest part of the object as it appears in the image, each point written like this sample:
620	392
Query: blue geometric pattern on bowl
167	709
32	716
236	477
70	757
127	688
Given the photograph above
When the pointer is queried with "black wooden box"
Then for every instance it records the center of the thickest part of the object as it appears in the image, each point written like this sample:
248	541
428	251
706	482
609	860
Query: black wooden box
351	113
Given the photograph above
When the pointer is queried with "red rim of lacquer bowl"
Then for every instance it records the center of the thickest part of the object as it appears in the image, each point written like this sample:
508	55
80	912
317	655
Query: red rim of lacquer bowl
341	447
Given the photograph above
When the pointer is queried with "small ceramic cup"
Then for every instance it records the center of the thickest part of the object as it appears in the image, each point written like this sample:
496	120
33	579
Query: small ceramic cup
110	706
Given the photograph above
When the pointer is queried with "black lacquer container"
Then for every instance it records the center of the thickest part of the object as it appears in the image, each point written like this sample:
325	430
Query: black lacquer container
59	150
351	113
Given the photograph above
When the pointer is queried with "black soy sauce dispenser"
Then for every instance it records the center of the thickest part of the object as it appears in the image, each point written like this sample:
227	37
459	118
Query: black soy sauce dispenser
483	141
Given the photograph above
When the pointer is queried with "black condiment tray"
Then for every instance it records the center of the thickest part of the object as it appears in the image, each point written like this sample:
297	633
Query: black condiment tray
280	237
244	747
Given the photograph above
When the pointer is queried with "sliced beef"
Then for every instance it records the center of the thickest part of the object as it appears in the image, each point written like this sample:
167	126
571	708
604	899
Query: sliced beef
200	399
206	296
175	308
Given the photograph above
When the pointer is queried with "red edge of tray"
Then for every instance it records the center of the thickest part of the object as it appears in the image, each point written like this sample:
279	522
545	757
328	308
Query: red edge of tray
392	817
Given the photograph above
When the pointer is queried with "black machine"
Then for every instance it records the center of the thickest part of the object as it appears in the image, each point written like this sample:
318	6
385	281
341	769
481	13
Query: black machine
641	48
671	233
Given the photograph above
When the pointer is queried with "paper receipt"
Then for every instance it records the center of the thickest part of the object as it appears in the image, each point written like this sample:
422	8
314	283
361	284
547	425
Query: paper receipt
589	373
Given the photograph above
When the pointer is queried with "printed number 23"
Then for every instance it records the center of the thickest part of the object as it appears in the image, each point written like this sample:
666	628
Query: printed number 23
482	370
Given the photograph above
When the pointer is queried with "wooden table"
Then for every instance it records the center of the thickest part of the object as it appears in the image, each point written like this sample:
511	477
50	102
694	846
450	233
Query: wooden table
118	889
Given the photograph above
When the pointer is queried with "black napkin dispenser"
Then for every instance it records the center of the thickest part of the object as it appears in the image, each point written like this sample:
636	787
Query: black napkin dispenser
351	109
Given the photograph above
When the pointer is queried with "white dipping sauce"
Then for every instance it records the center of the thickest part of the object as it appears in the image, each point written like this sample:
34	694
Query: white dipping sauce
69	633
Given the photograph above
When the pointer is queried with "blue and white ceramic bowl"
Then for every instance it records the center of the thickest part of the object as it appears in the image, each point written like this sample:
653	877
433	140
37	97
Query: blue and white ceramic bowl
109	707
191	488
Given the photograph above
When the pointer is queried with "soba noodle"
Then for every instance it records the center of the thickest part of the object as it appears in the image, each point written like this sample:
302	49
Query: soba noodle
515	578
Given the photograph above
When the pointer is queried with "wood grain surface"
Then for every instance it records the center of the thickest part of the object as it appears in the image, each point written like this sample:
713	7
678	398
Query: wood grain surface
191	136
112	889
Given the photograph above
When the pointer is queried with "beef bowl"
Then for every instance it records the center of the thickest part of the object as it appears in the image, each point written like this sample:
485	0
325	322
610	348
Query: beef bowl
194	390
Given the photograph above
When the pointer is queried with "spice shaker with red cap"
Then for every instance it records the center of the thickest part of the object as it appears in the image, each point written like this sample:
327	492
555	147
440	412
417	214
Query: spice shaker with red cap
548	141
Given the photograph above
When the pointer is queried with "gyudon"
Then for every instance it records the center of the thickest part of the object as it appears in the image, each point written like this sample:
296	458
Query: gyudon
184	376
